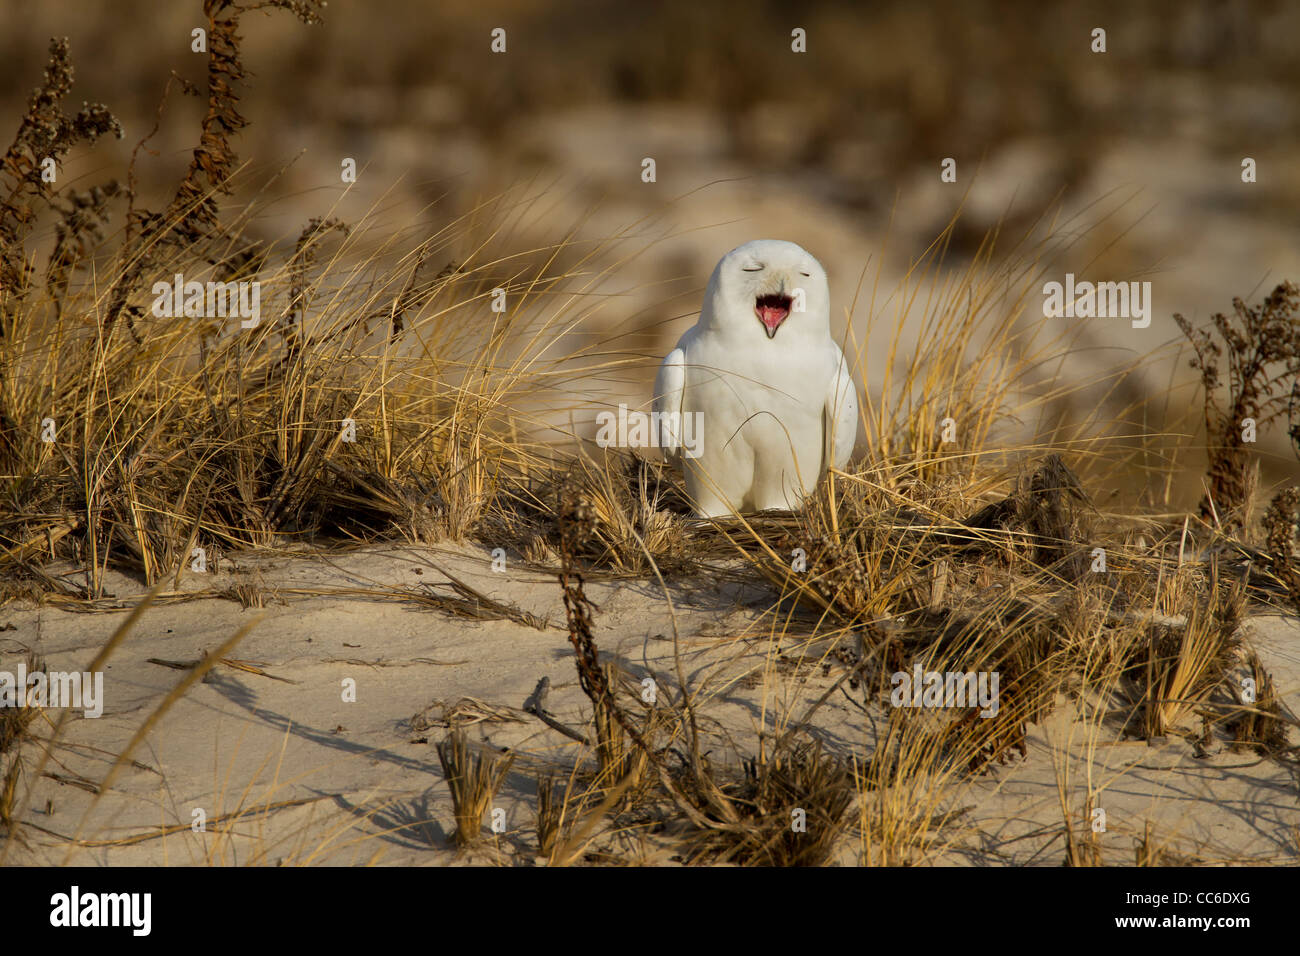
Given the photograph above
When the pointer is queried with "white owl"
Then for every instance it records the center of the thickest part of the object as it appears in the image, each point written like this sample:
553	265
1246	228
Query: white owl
761	378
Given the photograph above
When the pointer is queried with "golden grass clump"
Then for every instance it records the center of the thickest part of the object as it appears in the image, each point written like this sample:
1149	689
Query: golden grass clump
1259	724
550	815
1184	658
1282	530
9	793
634	511
473	777
1083	845
788	807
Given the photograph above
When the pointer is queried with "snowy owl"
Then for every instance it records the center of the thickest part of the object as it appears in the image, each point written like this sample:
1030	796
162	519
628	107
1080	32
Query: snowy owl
756	401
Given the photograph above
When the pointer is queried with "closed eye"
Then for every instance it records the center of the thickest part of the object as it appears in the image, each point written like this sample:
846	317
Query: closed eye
754	269
806	275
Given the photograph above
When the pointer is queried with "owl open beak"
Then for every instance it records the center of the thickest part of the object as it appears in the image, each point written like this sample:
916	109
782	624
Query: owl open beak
772	311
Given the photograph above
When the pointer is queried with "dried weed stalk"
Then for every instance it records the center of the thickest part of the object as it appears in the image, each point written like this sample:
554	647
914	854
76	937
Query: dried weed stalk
1260	347
46	133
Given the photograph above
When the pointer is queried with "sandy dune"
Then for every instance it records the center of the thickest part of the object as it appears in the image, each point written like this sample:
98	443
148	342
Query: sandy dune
315	779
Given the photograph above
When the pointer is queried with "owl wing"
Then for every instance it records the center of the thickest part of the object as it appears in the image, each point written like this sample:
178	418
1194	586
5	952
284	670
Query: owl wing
840	415
670	384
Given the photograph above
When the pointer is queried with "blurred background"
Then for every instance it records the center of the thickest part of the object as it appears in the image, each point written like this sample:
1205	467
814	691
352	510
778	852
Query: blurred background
1134	153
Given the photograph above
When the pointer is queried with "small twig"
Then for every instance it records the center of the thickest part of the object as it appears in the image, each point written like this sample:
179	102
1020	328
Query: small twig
245	666
533	705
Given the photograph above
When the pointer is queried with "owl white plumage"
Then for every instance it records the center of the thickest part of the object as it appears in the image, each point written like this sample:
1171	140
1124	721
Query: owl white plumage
768	388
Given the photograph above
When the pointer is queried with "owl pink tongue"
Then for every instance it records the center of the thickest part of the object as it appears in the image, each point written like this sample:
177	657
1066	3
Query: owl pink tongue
771	316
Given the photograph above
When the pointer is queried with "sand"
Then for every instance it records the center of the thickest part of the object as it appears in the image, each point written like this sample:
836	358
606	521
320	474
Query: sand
309	778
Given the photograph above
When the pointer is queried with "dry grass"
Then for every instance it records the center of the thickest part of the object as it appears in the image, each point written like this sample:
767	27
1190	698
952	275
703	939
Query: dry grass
1281	532
550	816
1182	662
14	725
473	777
1259	724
